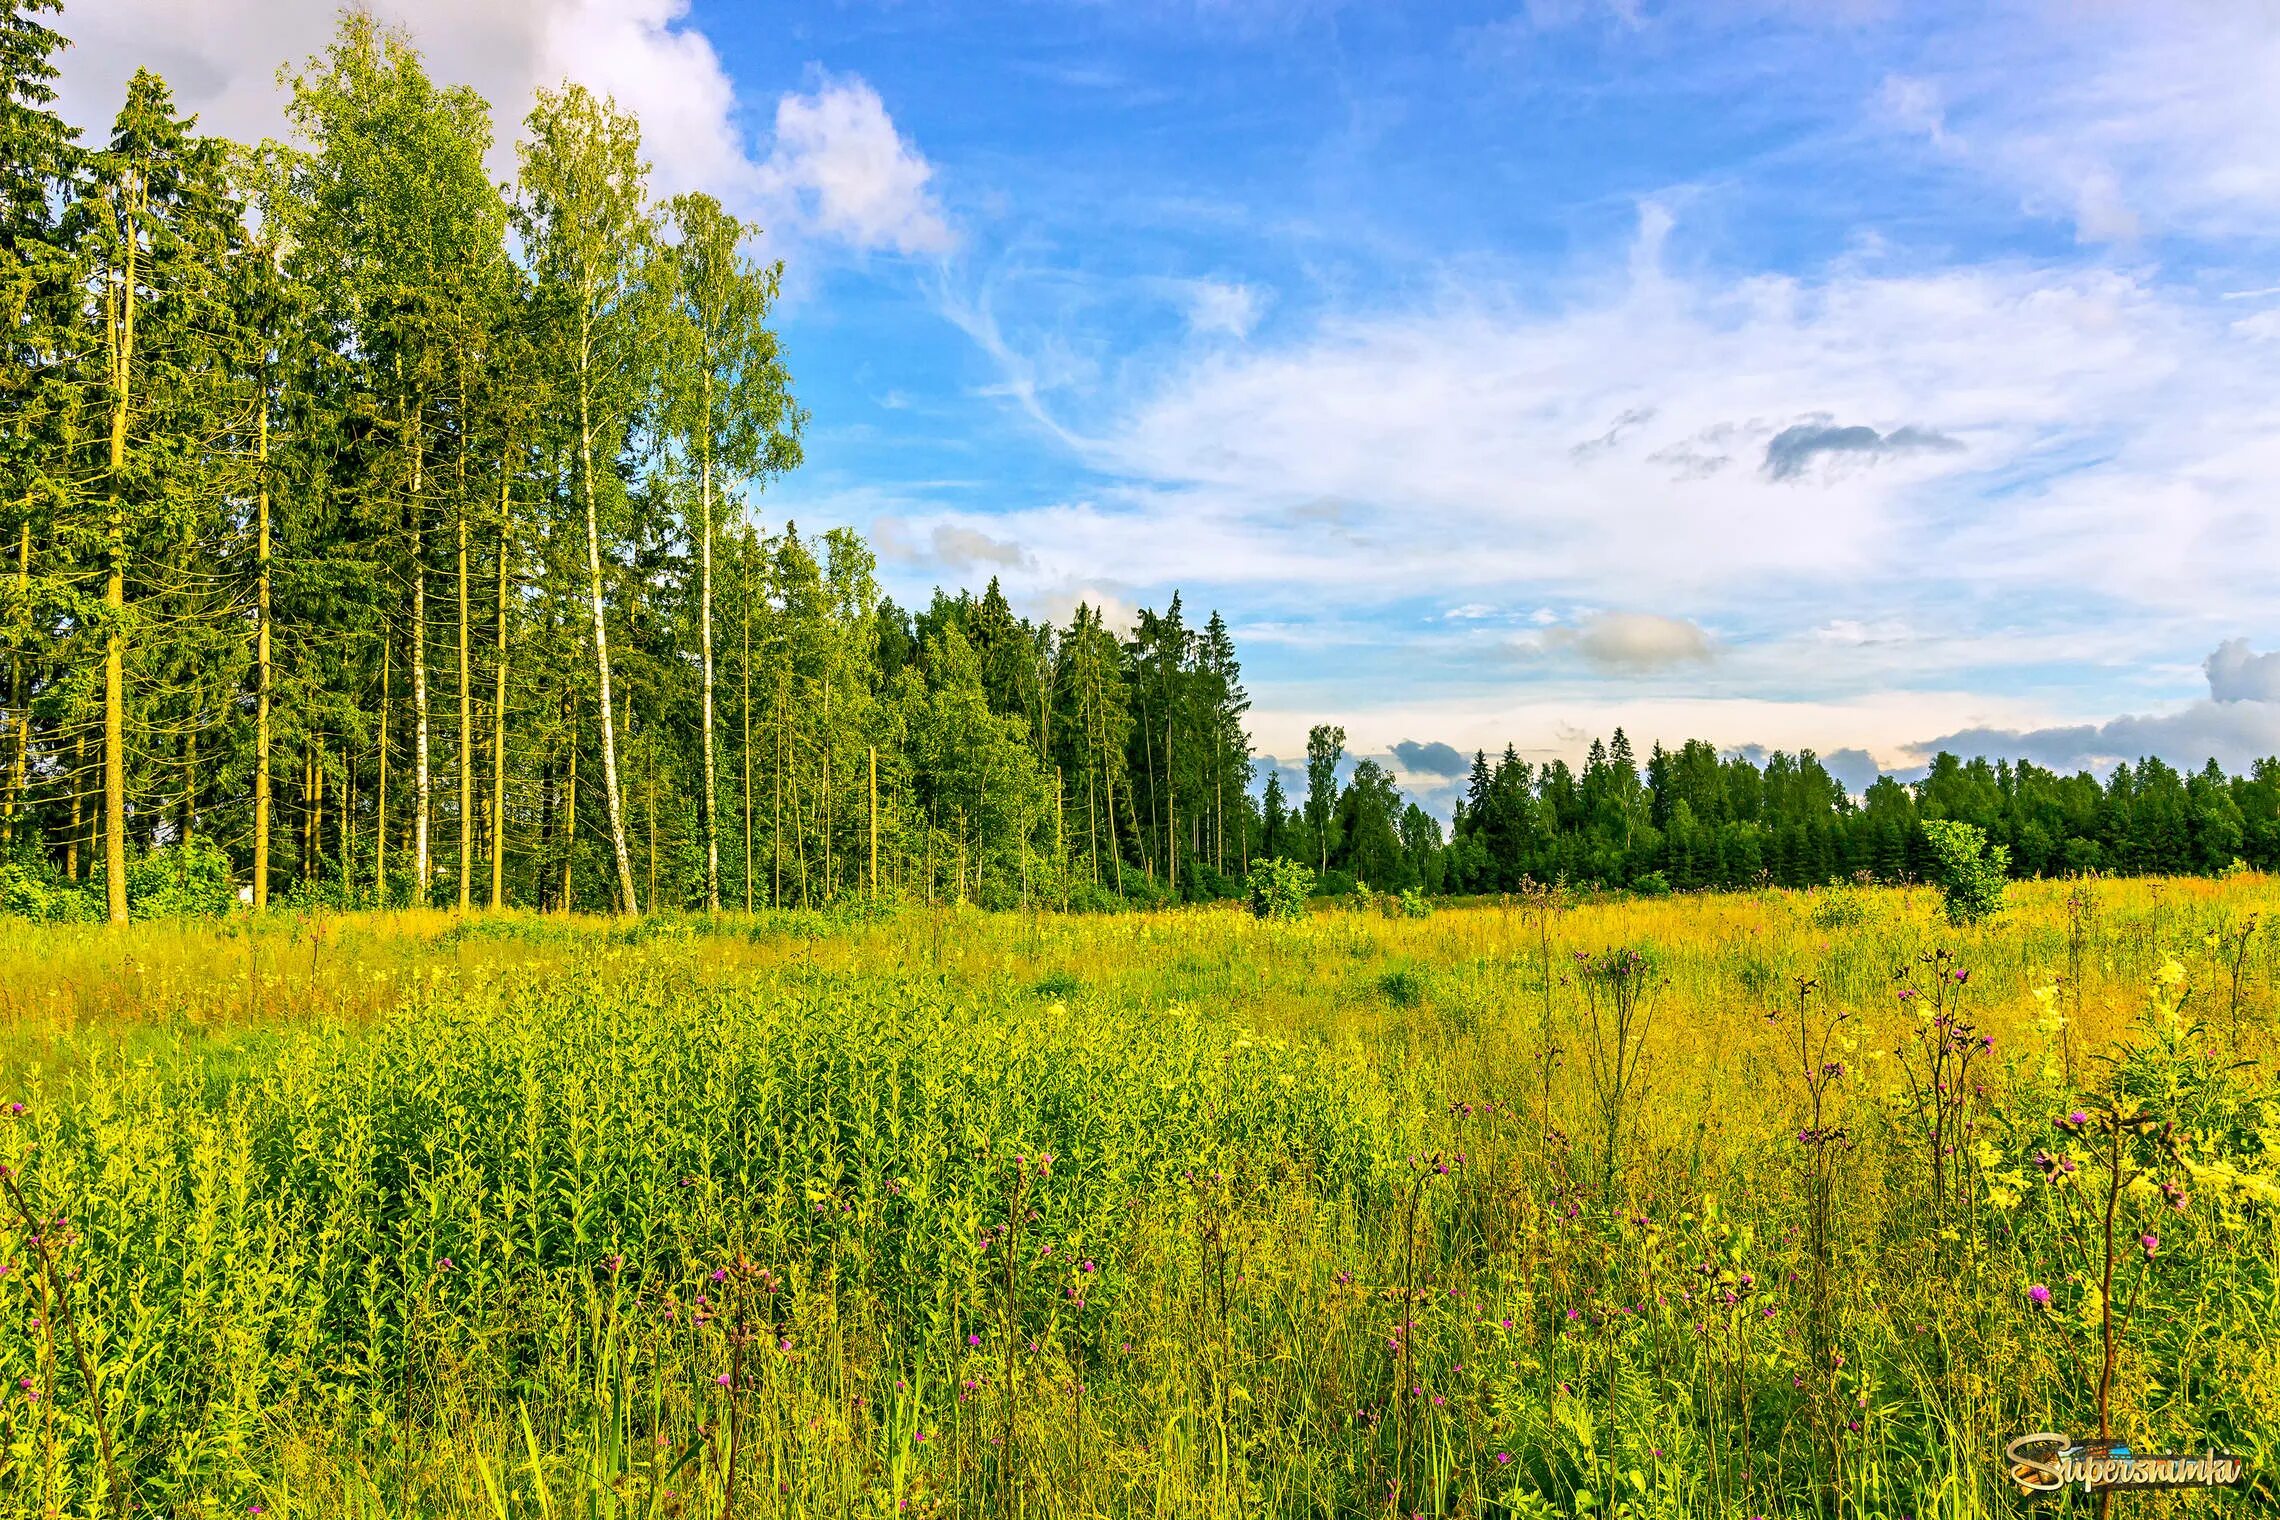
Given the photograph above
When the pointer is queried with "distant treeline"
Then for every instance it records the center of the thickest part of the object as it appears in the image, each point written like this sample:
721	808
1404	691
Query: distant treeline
1692	817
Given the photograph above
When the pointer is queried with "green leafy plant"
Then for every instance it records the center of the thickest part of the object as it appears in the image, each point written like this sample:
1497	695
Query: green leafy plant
186	880
1278	889
32	888
1971	872
1836	906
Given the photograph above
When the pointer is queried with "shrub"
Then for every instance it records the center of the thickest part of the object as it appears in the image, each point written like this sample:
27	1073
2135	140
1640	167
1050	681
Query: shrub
1404	986
1279	888
1653	884
31	888
186	880
1837	907
1969	871
1414	905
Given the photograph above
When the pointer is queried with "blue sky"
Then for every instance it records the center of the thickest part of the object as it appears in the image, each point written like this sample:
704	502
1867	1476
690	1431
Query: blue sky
1859	376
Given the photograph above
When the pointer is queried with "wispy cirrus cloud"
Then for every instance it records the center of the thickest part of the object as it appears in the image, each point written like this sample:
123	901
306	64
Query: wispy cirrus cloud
1638	443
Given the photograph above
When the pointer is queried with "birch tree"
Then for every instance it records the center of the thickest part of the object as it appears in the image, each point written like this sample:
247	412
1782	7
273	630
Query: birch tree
587	229
731	410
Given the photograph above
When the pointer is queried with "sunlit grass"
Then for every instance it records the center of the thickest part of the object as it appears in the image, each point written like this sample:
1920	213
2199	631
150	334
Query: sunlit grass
402	1214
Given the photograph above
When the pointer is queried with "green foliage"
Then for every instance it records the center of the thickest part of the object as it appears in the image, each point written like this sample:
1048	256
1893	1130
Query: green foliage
187	880
386	1204
1969	872
31	888
1652	884
1278	889
1837	907
1405	986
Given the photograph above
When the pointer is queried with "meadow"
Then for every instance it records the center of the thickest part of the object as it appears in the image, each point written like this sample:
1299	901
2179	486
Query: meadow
1758	1204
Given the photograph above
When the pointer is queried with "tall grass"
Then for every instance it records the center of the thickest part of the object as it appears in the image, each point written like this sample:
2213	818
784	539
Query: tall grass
1185	1214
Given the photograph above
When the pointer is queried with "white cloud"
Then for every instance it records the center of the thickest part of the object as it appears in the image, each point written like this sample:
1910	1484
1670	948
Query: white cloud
958	548
1623	643
1914	105
839	158
1215	307
2070	432
2239	674
2126	120
2235	735
2236	726
838	169
1542	724
2101	215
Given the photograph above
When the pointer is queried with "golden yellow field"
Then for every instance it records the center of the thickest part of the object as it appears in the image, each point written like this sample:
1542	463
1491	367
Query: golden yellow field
1472	1214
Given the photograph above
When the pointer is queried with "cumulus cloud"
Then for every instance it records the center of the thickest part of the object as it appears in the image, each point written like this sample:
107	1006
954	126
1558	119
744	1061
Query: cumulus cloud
942	545
1798	445
2238	674
2234	735
1292	774
959	548
2236	726
1623	643
222	58
837	170
840	161
1433	759
1855	769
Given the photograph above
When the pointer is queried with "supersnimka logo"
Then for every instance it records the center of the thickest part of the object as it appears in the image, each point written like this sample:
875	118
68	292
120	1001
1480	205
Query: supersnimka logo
2048	1461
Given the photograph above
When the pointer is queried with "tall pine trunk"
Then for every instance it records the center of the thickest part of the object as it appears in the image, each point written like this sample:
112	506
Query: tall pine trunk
499	696
261	726
115	599
570	815
466	678
380	807
19	686
422	781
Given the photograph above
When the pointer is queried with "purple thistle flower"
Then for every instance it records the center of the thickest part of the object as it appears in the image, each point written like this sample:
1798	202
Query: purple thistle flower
2040	1294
